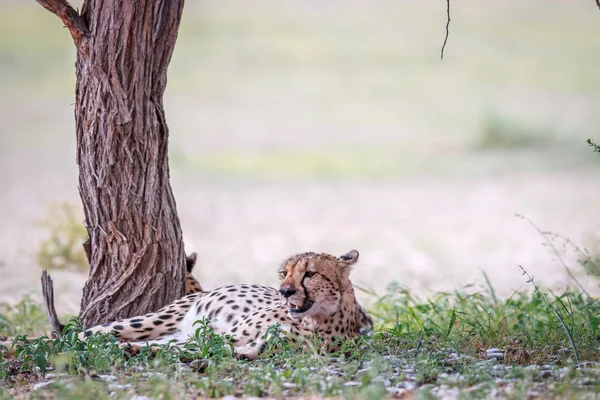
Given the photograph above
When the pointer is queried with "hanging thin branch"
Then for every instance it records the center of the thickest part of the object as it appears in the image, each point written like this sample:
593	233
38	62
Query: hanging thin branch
69	16
448	26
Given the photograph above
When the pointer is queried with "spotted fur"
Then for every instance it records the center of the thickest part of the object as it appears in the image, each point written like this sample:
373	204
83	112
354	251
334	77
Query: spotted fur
315	297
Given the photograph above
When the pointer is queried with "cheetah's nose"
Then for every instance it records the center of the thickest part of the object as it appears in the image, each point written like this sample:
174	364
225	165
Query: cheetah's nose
287	291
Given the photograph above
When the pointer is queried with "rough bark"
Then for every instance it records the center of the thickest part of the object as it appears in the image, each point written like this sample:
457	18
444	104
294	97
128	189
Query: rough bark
136	248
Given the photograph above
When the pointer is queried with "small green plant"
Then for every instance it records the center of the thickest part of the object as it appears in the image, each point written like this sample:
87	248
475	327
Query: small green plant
208	344
33	353
593	145
63	248
277	343
99	353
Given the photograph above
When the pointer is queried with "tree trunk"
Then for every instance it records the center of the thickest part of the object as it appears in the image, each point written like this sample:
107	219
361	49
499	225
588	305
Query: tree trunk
123	51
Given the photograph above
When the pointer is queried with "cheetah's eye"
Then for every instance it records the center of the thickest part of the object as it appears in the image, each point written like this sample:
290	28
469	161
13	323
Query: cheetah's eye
310	274
283	274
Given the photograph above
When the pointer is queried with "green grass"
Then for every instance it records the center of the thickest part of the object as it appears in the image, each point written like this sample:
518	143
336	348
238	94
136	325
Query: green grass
428	345
545	343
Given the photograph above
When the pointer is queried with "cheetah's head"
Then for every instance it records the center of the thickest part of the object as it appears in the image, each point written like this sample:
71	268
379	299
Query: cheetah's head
312	284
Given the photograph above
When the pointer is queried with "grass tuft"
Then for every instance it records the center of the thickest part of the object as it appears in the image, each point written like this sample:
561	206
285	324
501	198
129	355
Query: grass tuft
555	312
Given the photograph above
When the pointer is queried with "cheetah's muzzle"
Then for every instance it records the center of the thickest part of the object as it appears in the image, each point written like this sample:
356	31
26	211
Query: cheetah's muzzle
299	310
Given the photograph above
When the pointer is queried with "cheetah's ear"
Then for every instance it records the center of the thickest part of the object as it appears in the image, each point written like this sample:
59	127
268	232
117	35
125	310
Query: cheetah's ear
349	258
190	262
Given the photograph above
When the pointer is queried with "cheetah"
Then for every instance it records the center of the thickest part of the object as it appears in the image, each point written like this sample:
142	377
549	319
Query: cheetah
191	284
315	296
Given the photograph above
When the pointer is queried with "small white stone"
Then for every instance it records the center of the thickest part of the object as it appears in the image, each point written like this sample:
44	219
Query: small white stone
410	377
53	376
477	387
259	398
495	353
116	386
151	374
42	385
107	378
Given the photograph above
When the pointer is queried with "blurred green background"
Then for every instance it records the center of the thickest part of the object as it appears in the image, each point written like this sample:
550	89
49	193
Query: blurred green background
325	126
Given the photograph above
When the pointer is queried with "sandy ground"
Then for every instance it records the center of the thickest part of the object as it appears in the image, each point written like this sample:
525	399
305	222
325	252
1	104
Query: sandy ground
425	233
